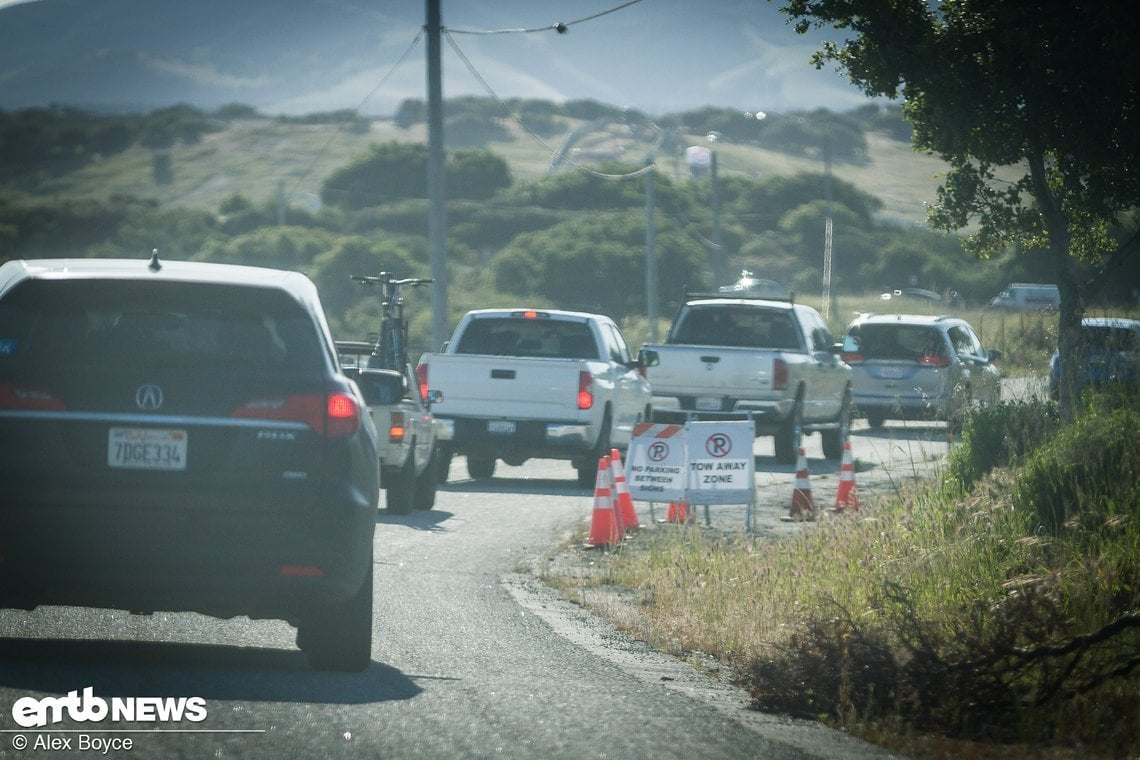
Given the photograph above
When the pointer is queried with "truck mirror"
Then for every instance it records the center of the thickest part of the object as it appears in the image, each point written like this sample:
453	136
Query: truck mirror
648	358
381	386
434	397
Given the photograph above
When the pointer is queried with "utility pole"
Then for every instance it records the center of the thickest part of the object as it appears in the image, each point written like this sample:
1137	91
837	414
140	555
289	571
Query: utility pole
718	247
651	251
437	225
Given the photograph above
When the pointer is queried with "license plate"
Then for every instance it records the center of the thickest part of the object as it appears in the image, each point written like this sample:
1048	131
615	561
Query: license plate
146	449
500	426
895	372
708	404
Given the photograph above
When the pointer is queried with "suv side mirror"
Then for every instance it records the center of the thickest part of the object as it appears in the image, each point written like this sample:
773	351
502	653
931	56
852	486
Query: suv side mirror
648	358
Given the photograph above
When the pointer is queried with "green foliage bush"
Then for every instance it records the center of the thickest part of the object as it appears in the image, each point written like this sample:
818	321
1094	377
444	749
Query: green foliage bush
1088	473
998	436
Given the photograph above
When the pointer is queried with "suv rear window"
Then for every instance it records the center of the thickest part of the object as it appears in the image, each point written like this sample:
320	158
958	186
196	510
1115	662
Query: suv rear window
900	342
157	324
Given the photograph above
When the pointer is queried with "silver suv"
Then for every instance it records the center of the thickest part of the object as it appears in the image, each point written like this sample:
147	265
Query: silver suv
908	366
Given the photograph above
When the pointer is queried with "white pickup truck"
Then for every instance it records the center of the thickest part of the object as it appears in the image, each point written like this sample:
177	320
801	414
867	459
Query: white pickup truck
410	437
518	384
732	357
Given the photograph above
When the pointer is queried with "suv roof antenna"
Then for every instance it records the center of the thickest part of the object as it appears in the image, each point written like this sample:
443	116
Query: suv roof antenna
154	264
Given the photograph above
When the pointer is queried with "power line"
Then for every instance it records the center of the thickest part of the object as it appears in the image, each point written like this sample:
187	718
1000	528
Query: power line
356	111
518	120
558	26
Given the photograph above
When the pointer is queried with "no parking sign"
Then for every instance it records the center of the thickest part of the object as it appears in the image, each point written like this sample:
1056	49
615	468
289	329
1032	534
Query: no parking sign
655	470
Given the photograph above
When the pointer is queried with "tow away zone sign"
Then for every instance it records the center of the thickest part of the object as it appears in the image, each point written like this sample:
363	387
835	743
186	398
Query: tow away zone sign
720	467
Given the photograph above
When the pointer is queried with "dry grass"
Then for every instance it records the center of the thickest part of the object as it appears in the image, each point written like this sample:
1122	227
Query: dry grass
916	625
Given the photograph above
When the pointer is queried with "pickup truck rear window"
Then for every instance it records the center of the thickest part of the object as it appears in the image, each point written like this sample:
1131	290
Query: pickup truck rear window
513	336
743	327
157	324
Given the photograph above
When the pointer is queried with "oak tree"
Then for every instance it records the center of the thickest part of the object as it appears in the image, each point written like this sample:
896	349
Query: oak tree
1034	106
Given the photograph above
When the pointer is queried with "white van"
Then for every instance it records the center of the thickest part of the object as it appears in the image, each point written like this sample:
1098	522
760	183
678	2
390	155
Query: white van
1027	296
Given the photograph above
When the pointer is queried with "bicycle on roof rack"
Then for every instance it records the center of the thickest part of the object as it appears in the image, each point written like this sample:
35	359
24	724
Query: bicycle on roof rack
391	345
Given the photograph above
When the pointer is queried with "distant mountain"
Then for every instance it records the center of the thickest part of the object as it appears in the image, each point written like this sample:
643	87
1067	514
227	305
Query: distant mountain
304	56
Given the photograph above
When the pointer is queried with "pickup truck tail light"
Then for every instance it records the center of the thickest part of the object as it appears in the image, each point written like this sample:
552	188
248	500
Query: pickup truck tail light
422	380
585	391
779	374
335	415
397	428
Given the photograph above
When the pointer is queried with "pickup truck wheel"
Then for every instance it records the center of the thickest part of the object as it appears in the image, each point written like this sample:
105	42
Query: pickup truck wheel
833	440
588	472
400	492
480	467
427	481
339	637
789	436
443	466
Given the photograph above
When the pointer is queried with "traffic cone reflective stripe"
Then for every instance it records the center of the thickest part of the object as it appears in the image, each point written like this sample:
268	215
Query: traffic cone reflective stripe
847	497
803	506
626	512
604	528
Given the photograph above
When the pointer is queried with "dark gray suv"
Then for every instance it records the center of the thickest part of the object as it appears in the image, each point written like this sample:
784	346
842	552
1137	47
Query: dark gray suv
179	436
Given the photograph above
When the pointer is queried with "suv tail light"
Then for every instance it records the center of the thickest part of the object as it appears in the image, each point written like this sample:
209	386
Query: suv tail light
585	391
29	399
779	374
934	360
334	416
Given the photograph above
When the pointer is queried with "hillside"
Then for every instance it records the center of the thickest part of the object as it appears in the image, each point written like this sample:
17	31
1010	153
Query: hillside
260	157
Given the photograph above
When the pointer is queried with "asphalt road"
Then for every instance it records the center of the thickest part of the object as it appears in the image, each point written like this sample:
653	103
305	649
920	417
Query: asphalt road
473	658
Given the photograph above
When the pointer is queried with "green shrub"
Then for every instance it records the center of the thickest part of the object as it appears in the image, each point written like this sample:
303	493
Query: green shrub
998	436
1088	472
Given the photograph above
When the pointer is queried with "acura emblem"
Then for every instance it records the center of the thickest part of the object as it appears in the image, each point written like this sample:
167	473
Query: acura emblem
148	397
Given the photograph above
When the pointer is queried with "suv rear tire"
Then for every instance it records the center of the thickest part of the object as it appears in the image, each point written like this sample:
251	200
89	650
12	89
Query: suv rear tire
339	637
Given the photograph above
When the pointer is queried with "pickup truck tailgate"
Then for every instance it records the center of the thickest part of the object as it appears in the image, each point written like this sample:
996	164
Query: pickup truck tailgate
509	387
711	371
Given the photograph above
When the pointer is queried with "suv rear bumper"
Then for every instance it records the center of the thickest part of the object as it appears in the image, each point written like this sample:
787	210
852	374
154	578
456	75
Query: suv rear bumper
220	562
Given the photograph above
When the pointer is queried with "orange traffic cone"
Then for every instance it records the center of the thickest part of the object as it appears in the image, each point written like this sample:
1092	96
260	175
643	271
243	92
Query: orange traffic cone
604	528
803	506
625	508
679	512
847	497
